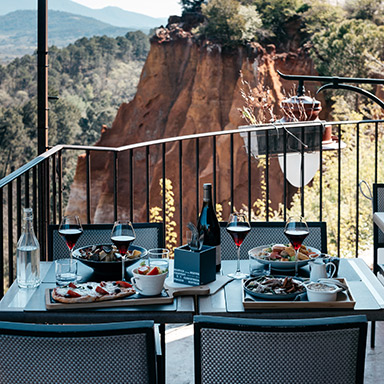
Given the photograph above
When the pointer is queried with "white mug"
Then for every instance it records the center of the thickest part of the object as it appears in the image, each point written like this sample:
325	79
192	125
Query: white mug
148	285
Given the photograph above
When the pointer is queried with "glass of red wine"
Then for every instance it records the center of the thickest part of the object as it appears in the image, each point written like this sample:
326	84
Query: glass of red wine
296	230
70	229
238	227
122	236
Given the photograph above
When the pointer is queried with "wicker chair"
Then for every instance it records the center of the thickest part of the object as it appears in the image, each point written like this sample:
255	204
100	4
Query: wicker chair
265	351
268	232
88	353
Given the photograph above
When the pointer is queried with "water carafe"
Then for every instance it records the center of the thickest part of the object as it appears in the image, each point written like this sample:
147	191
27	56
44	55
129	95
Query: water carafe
28	254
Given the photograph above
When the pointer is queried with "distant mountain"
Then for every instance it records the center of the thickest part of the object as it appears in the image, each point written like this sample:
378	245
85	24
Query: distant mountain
18	31
111	15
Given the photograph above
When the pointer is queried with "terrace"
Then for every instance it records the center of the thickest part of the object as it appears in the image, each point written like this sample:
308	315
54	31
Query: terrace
241	180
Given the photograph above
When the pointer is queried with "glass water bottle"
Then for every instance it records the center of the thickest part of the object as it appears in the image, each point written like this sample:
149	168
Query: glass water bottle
28	254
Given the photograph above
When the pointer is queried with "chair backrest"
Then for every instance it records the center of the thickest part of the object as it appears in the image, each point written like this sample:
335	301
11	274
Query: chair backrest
378	235
148	235
270	232
121	352
233	350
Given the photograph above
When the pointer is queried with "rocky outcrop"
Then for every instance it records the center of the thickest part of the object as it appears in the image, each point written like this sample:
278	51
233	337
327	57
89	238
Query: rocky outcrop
185	88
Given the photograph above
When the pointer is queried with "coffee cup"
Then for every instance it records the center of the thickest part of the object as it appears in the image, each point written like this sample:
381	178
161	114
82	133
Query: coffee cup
148	285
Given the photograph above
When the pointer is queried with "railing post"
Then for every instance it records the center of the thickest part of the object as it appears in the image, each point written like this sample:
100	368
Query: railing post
42	76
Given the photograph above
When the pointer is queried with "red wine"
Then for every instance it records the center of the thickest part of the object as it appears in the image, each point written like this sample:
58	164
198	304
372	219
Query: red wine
238	233
71	235
296	237
122	243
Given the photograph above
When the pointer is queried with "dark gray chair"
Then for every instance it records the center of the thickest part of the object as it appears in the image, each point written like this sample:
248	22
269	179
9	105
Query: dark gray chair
270	232
87	353
148	235
378	241
266	351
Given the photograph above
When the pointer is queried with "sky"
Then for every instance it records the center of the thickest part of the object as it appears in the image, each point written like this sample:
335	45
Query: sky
154	8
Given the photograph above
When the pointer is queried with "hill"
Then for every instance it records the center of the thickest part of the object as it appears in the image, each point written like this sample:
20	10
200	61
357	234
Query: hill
18	31
111	15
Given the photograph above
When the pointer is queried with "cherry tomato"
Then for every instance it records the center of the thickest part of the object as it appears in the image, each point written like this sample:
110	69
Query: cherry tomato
73	293
123	284
100	290
72	285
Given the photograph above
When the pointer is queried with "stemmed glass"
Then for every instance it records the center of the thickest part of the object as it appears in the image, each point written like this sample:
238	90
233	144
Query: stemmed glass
238	227
70	229
122	236
296	230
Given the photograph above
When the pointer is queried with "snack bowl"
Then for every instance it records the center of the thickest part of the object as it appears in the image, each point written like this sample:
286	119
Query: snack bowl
109	268
149	284
320	291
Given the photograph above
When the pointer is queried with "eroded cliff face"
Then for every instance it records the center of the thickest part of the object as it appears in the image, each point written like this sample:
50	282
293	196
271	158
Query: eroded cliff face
184	88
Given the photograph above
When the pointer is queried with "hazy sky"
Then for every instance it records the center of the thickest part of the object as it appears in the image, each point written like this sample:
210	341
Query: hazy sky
154	8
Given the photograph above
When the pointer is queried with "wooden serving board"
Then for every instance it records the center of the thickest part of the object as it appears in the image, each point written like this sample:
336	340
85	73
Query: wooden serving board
344	300
166	297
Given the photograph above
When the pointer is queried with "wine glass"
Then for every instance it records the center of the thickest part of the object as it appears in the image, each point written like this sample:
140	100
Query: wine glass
238	227
70	229
296	230
122	236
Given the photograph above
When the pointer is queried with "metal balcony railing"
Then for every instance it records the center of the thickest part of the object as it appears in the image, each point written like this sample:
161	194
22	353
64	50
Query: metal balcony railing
238	181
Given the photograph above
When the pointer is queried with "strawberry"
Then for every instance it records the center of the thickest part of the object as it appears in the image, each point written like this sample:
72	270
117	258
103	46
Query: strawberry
143	270
153	271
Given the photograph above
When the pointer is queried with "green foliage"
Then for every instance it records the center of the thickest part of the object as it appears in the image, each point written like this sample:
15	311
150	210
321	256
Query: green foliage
91	77
372	10
347	47
318	15
192	5
229	22
277	14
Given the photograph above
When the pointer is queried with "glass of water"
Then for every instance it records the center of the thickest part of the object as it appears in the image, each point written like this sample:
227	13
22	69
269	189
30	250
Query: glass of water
159	257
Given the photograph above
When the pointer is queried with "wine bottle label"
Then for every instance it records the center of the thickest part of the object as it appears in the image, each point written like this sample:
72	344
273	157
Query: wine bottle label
218	254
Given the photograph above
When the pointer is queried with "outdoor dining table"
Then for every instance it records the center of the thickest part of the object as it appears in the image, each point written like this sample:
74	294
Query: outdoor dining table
28	305
365	288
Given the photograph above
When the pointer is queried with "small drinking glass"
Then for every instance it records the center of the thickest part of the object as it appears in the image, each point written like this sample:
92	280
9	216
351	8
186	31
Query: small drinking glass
65	271
159	257
122	236
238	227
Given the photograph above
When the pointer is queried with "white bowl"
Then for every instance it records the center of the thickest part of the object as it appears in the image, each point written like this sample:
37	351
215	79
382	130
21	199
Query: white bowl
322	292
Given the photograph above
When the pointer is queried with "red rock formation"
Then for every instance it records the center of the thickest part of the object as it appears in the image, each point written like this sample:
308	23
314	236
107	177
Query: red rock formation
185	88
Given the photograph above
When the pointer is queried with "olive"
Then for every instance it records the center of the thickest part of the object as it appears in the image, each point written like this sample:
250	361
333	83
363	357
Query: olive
89	287
117	290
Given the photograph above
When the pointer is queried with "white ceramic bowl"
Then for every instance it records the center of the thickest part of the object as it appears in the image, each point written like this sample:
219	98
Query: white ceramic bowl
322	292
148	285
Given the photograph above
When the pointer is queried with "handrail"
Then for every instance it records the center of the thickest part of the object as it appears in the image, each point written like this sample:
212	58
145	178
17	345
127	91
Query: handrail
244	128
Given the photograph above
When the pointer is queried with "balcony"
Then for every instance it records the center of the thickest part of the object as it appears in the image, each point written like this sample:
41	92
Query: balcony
226	159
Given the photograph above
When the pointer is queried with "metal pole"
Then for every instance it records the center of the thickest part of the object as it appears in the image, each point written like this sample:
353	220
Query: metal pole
42	120
42	76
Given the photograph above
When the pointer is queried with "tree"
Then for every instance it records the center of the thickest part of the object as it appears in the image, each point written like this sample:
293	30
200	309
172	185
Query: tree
346	48
371	10
229	22
192	5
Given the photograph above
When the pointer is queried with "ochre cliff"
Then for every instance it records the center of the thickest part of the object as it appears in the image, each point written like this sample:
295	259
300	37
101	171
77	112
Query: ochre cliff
184	88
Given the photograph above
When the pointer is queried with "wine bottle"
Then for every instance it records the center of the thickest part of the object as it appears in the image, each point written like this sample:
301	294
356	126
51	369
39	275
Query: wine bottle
209	224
